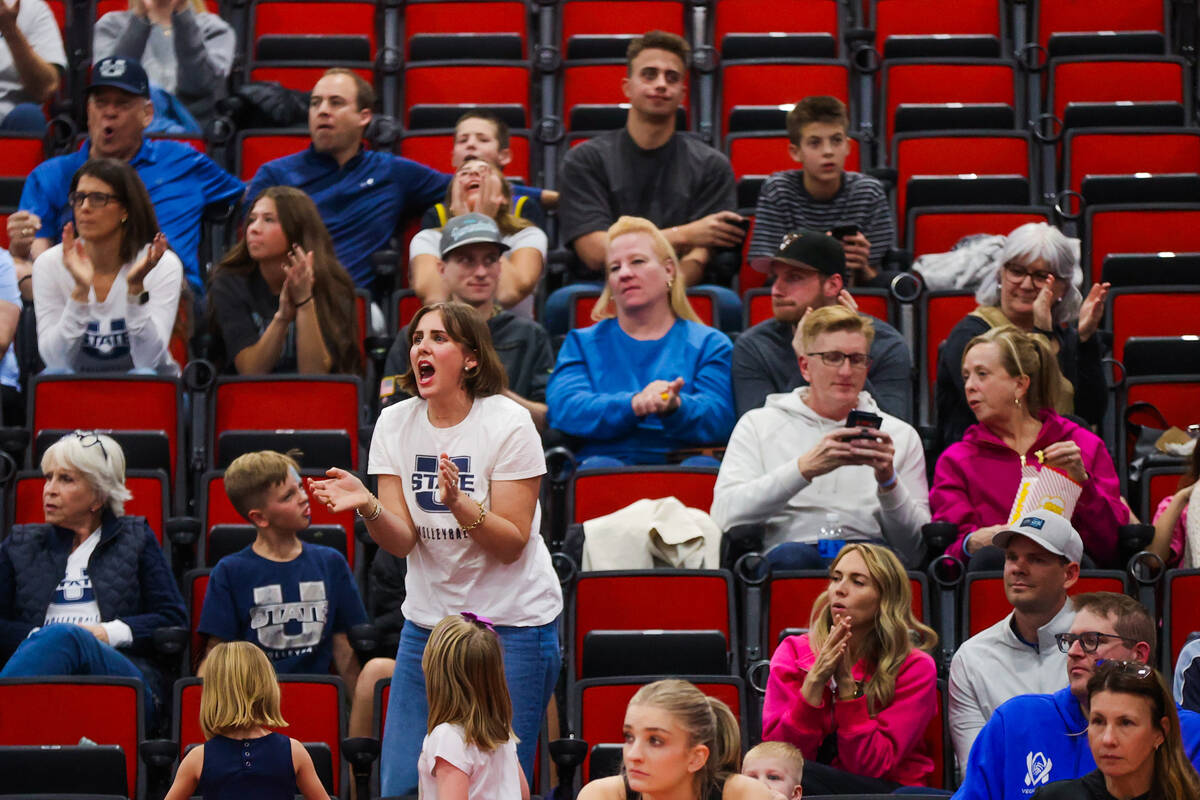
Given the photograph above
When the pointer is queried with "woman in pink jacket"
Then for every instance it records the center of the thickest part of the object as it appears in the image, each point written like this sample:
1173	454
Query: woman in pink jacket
1011	380
854	693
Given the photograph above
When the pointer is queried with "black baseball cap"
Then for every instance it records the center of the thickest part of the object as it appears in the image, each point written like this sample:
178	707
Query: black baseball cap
809	249
122	73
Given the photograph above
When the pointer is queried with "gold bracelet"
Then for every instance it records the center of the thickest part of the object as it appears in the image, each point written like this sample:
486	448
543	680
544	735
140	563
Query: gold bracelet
375	512
479	521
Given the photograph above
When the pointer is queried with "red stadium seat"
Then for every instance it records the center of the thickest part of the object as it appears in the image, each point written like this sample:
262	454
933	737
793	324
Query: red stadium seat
758	306
1157	482
255	148
406	303
311	704
618	19
1137	229
953	18
195	585
1181	613
936	229
616	601
443	29
776	82
20	153
287	36
597	492
751	28
1152	311
62	710
1118	151
315	18
1177	398
1114	79
956	153
762	153
985	603
1076	16
299	78
433	148
446	89
924	81
943	310
149	488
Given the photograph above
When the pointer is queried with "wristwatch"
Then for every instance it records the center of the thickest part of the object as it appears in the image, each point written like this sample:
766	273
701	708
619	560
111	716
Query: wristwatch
140	299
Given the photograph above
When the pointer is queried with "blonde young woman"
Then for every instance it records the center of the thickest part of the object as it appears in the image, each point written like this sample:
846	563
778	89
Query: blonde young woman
855	694
648	378
184	49
679	745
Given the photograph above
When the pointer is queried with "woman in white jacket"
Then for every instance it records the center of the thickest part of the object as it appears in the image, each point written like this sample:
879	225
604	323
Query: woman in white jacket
793	461
106	298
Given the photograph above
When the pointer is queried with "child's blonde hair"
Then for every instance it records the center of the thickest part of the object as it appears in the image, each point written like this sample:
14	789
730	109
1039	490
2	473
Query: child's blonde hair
240	690
251	474
787	753
464	681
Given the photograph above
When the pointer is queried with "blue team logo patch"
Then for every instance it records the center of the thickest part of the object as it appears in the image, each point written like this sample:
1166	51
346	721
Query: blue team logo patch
425	476
1032	522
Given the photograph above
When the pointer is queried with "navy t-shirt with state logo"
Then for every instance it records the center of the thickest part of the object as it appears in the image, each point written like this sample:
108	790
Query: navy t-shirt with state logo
291	609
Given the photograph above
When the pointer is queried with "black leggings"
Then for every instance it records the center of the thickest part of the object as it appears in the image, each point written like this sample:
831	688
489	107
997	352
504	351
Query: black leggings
824	779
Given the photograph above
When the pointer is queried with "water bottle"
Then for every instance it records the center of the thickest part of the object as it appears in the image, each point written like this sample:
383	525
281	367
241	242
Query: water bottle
830	539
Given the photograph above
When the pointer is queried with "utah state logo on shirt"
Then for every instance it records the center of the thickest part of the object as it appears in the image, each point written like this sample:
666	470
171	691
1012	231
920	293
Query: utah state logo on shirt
108	345
425	476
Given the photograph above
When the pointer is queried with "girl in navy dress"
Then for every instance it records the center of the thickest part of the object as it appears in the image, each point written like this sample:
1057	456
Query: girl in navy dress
241	758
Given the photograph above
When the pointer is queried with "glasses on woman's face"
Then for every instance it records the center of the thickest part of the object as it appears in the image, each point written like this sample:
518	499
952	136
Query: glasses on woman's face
1090	641
96	199
834	358
91	439
1017	274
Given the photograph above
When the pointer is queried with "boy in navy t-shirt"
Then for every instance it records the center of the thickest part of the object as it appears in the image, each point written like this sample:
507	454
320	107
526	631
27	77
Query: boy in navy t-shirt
293	599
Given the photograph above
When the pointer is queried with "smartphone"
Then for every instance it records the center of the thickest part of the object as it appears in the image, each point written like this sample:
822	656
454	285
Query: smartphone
744	224
844	229
863	419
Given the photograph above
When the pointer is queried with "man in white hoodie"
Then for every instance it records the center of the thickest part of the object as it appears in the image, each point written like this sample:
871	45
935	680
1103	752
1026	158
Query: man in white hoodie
793	461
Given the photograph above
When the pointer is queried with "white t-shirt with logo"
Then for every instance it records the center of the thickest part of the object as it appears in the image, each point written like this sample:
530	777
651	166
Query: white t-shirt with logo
74	601
448	571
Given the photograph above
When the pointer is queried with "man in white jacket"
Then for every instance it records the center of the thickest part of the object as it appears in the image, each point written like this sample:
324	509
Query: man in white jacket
793	461
1018	655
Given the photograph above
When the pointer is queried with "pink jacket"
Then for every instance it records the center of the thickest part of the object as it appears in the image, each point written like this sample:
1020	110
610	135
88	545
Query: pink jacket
1178	533
890	745
976	480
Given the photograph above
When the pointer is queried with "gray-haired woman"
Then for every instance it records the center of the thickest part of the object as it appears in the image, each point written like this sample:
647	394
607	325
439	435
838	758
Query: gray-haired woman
83	592
1036	289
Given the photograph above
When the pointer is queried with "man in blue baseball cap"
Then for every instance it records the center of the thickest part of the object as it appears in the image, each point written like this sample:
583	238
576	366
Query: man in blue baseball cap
181	181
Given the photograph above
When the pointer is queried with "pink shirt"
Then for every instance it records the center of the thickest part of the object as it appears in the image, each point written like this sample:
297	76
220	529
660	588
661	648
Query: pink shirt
889	745
1178	533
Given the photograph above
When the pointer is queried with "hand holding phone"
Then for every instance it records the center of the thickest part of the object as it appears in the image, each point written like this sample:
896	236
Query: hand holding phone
863	419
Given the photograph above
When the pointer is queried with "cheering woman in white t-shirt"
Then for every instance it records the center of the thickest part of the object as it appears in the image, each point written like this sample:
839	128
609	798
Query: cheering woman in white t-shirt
459	469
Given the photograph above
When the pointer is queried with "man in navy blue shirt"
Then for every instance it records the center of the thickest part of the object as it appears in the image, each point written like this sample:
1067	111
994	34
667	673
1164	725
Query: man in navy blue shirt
361	194
181	181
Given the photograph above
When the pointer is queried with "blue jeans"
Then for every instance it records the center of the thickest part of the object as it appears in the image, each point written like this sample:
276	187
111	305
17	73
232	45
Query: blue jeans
532	662
72	650
556	310
24	118
794	555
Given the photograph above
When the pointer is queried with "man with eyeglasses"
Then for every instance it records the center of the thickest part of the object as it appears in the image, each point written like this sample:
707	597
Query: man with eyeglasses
794	461
1018	654
180	180
809	269
1036	739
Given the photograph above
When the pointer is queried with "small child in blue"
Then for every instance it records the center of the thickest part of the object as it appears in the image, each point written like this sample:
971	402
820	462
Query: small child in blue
470	752
241	758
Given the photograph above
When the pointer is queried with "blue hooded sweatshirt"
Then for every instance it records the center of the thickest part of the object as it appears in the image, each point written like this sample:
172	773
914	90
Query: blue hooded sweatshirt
1035	739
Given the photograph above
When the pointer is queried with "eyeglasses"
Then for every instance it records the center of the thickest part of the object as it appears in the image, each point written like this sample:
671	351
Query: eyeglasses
97	199
834	358
1018	275
1134	668
1088	640
91	439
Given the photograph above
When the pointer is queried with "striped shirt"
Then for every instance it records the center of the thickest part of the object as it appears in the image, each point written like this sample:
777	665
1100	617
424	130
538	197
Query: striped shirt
785	206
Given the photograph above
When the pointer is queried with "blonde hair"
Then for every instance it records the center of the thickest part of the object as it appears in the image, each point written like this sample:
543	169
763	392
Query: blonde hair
892	638
782	751
240	690
830	319
707	721
99	459
464	681
251	474
664	252
1026	355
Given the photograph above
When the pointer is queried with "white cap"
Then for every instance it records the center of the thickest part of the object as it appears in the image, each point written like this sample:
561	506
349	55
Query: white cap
1052	531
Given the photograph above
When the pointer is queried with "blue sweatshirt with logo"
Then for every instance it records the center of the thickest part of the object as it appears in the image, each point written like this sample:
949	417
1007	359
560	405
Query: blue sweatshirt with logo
1035	739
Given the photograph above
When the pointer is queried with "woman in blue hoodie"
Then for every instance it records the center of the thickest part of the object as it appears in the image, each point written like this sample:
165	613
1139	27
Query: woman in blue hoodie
648	379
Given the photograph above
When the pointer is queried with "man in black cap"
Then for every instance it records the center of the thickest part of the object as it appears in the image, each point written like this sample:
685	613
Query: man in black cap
180	180
809	269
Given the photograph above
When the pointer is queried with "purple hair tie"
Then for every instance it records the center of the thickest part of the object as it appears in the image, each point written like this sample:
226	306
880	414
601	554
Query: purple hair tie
470	616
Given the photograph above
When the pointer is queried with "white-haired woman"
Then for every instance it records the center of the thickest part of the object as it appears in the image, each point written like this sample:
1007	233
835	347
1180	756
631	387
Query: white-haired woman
1035	289
648	378
83	592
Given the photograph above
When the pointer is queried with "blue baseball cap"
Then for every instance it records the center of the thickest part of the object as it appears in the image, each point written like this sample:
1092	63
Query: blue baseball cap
121	73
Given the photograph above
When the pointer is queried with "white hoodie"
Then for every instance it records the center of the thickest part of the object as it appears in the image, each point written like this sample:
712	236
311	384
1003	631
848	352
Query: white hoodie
760	481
